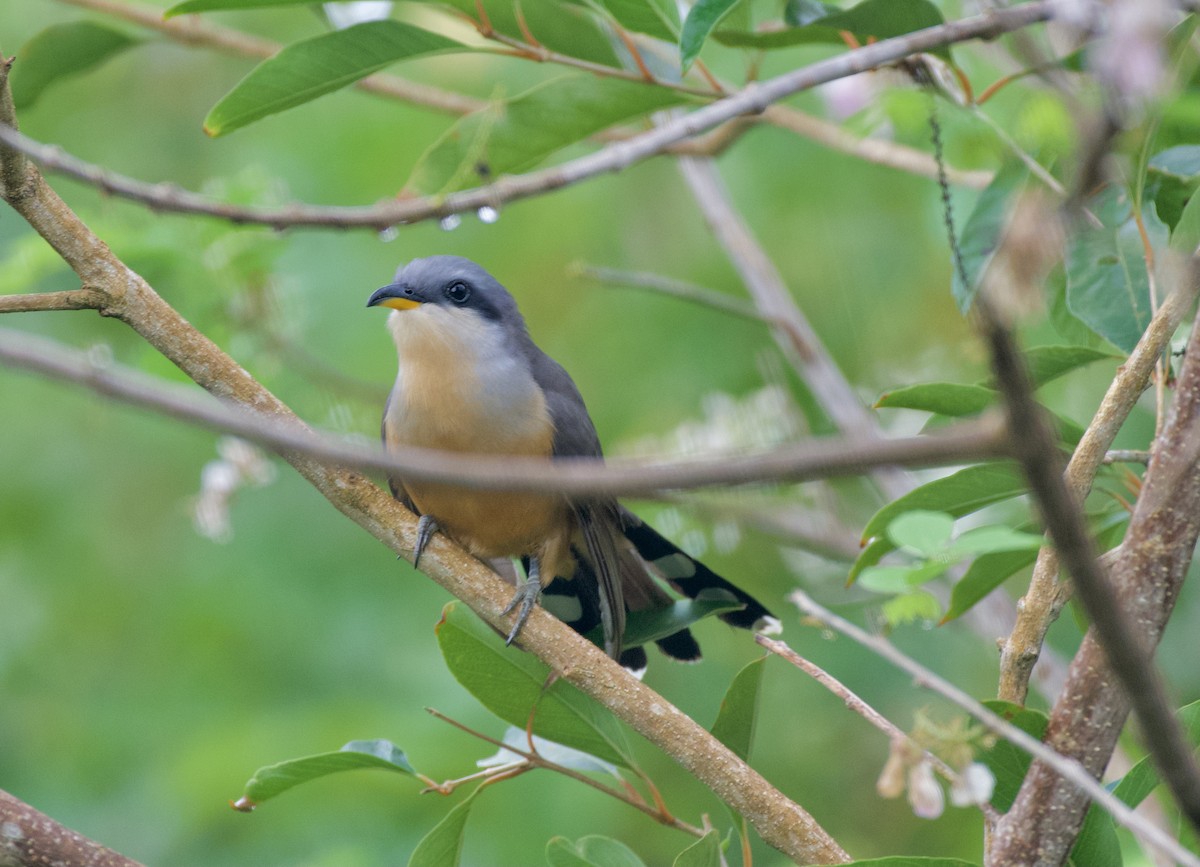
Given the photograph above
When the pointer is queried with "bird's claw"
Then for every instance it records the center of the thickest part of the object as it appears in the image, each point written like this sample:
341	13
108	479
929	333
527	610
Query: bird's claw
523	601
426	527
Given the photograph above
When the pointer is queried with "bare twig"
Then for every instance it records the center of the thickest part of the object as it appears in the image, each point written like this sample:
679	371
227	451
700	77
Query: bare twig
577	477
29	838
680	289
1046	596
536	759
1126	456
1069	769
753	99
71	299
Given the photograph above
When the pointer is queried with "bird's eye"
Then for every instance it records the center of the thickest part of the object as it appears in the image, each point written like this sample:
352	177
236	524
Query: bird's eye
458	292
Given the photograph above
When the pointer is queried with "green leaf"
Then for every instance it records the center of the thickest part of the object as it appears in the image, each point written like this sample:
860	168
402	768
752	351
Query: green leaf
1107	283
1185	238
984	229
276	779
944	398
872	19
738	716
799	13
1048	363
995	538
314	67
1142	778
513	135
61	51
919	605
660	20
509	682
643	627
871	554
921	531
700	21
191	6
1181	162
705	852
985	574
900	579
957	494
1097	844
442	847
1008	763
591	851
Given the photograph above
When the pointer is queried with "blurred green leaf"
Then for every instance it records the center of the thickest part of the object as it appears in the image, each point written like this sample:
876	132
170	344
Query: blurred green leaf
1107	283
916	606
705	852
995	538
958	494
1048	363
191	6
643	627
61	51
945	398
1185	237
700	21
591	851
901	579
515	134
509	682
273	780
921	531
1142	778
985	574
871	554
738	716
799	13
878	19
442	847
657	19
314	67
1008	763
982	233
1182	162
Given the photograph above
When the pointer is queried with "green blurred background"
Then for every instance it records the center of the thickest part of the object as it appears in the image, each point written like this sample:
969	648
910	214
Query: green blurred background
147	671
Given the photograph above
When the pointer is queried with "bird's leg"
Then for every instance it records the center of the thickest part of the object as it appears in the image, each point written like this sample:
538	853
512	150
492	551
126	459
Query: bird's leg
426	527
525	598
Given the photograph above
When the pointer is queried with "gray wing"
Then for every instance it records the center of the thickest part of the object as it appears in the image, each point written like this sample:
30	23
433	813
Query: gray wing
598	519
397	487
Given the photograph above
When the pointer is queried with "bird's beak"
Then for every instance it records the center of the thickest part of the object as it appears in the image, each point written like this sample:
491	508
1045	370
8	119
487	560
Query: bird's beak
394	296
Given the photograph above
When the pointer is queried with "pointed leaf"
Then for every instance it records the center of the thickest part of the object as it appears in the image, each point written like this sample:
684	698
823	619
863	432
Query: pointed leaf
509	682
61	51
1143	778
958	494
591	851
944	398
314	67
442	847
995	538
1097	844
984	575
703	17
191	6
514	135
738	716
1048	363
643	627
657	19
1181	161
869	20
1107	283
705	852
1008	763
984	229
273	780
874	551
921	531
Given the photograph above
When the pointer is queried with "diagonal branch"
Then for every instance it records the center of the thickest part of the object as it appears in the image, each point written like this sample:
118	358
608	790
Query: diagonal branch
29	838
753	100
575	477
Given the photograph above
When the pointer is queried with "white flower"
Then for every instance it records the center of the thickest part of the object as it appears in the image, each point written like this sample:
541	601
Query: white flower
973	786
924	793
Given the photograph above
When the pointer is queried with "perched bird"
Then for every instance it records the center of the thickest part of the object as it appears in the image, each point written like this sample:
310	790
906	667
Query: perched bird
471	380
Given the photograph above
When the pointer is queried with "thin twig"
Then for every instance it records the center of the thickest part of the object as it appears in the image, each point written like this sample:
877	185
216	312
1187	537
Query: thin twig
1069	769
680	289
70	299
855	703
576	477
753	99
662	816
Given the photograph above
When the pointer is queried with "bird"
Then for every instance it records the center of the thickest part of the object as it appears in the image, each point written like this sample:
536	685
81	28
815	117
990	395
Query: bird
471	379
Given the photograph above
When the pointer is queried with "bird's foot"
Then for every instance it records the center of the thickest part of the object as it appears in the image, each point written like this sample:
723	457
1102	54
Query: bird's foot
426	527
523	601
